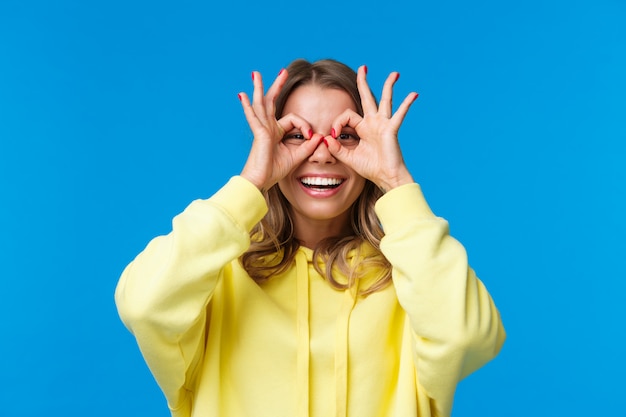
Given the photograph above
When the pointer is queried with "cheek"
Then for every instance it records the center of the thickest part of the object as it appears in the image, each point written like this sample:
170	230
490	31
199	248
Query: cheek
357	189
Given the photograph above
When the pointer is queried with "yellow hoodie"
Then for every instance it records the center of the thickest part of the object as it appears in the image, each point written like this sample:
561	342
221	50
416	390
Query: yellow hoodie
220	344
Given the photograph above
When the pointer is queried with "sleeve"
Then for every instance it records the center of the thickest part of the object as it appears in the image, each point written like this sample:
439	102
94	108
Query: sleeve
163	293
456	325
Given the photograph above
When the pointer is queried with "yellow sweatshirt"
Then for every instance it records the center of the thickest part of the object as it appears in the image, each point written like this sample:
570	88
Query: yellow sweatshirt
220	344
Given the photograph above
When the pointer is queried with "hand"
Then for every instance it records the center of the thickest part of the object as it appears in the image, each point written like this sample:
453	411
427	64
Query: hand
377	154
269	159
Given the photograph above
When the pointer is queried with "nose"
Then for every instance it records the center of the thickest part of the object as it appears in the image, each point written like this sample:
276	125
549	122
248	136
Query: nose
321	154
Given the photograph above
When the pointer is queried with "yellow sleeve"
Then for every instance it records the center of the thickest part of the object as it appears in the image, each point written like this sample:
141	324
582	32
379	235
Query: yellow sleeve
456	325
163	293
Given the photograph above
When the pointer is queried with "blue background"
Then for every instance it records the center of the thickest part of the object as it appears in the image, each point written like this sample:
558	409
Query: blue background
114	115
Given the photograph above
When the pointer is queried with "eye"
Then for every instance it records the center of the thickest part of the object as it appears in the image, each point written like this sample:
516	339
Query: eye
348	139
294	138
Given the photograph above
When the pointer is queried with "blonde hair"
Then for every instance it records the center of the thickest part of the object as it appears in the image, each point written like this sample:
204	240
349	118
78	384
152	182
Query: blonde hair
273	244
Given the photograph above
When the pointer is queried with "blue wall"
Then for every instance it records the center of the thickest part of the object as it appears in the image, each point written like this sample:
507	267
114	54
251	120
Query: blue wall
113	116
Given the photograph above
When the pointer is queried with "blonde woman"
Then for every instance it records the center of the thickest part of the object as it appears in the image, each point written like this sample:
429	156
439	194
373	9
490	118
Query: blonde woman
317	282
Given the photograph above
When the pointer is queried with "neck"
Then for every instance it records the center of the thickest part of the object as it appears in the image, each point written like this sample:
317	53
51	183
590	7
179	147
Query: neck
311	232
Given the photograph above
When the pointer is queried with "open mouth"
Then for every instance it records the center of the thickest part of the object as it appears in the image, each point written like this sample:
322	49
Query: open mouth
320	183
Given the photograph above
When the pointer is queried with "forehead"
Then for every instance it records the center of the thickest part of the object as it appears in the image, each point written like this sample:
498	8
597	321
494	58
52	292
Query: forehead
314	103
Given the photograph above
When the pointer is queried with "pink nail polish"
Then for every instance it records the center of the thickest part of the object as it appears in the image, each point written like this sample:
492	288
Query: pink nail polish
310	133
325	142
333	133
253	76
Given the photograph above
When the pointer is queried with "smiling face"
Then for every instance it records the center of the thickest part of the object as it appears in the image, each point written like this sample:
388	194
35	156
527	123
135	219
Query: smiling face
322	189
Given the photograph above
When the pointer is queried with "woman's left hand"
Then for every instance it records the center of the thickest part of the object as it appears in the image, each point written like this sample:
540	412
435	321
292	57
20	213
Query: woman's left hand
377	155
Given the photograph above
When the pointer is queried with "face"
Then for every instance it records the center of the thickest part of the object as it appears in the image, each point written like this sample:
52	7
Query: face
322	189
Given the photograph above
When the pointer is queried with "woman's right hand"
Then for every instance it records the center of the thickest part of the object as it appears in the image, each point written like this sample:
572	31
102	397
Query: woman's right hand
270	159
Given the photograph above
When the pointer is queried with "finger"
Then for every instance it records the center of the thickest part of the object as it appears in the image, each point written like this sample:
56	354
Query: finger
367	98
273	92
399	115
281	132
291	121
386	106
253	121
338	151
300	153
347	118
248	111
258	95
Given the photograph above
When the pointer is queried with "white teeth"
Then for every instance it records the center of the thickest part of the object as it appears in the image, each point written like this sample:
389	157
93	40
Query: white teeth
320	181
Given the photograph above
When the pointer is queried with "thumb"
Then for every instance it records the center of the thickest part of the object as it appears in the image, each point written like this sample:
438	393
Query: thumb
307	148
336	150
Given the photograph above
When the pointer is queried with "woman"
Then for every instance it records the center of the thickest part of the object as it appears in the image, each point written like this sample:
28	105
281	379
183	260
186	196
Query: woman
318	281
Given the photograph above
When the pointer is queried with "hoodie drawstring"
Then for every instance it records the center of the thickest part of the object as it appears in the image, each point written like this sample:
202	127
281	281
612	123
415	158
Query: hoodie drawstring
342	332
302	329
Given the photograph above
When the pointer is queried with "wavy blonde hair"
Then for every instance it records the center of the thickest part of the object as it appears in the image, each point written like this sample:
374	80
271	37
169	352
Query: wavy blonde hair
273	244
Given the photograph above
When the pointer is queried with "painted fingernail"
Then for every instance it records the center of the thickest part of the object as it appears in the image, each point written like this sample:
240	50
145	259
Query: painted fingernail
365	68
281	72
325	142
310	133
239	95
252	75
333	133
397	76
416	96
